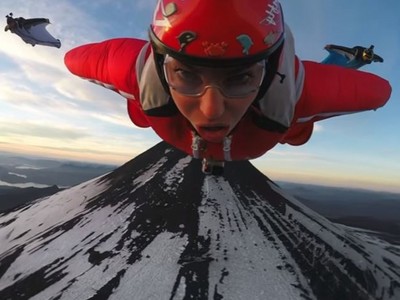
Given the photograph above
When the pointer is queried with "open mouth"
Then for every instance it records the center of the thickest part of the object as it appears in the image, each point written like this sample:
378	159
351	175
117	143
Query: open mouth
214	134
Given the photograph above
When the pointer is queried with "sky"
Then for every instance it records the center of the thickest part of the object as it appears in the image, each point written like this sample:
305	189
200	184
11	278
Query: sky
47	111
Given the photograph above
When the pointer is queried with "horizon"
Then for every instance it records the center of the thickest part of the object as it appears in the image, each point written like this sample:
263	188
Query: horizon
46	111
116	166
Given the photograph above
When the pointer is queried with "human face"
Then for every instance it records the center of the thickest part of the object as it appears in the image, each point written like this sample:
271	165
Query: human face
218	98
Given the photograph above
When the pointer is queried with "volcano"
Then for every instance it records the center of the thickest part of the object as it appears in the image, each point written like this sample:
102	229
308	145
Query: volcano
158	228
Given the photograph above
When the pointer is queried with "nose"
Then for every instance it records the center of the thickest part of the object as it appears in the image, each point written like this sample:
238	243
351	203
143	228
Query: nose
212	103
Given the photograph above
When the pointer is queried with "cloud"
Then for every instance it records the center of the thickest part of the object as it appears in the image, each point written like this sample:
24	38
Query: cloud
9	128
73	141
32	99
113	119
39	72
89	95
46	109
318	128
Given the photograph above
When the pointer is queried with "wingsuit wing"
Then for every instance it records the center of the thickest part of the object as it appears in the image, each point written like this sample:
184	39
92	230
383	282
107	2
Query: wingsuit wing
330	91
112	64
33	31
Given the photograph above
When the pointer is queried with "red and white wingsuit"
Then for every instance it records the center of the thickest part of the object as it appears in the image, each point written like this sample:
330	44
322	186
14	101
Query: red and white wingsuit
310	92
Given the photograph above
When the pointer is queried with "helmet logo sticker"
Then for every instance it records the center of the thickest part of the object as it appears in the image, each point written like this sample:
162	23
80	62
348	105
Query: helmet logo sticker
272	10
246	43
162	22
169	9
214	49
271	38
185	38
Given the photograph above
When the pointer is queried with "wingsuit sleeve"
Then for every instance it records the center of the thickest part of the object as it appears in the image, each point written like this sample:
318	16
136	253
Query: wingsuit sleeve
331	90
112	64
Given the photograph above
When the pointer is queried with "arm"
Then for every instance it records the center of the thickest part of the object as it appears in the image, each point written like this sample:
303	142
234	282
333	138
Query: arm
331	90
112	64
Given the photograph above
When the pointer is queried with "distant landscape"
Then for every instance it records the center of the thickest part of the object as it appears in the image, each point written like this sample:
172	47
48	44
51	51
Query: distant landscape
371	210
39	172
23	179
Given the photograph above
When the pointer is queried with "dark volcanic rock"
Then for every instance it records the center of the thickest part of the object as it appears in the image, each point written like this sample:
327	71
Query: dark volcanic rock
14	197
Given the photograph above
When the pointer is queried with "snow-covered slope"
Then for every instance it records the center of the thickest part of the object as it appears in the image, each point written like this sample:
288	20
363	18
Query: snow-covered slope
158	228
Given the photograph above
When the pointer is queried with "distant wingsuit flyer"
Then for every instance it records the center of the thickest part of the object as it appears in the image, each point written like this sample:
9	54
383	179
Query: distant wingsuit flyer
32	31
193	77
354	58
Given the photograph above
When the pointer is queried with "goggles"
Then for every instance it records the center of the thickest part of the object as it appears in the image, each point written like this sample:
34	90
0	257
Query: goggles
193	81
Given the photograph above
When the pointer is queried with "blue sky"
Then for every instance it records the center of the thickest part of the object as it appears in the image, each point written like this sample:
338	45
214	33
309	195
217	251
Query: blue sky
44	110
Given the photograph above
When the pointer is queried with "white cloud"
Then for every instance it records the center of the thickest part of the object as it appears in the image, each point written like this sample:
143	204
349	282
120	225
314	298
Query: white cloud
40	128
318	127
113	118
43	107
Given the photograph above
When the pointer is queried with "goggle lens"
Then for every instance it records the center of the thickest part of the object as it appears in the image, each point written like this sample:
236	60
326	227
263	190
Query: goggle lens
231	82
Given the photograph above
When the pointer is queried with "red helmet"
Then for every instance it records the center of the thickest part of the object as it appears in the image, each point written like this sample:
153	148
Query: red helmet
225	32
